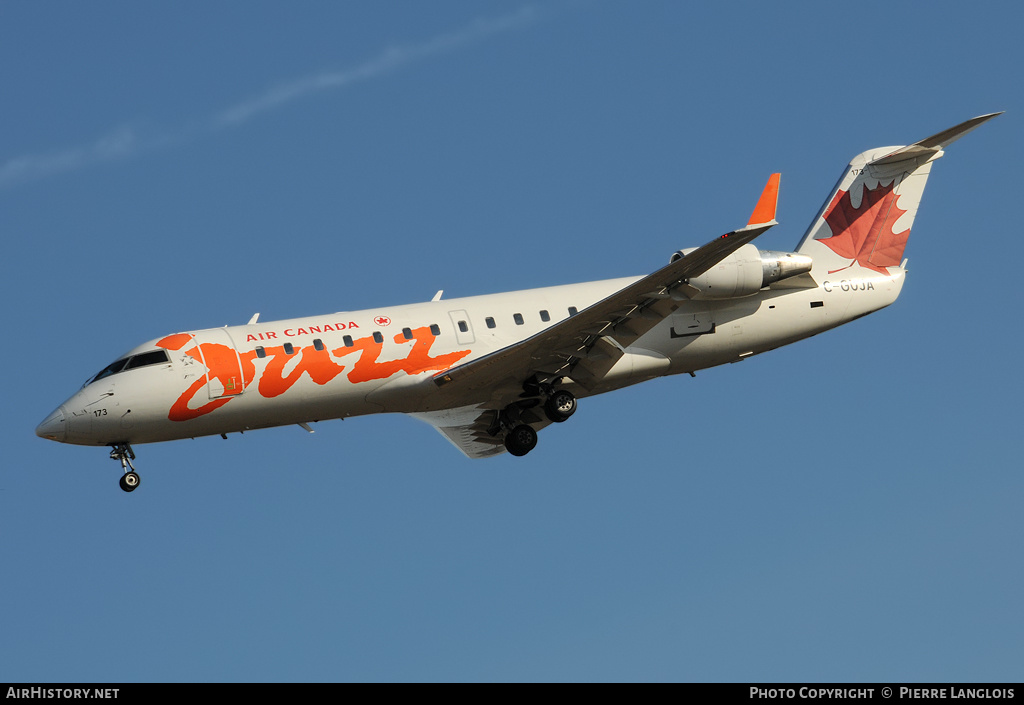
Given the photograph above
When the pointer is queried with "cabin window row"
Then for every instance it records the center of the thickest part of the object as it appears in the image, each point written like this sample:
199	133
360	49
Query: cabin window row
435	329
518	319
318	344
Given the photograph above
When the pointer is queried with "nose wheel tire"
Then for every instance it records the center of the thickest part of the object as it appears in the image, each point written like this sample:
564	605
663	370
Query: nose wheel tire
521	440
560	406
124	453
129	481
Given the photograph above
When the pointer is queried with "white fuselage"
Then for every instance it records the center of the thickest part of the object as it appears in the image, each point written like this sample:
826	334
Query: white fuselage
232	379
489	372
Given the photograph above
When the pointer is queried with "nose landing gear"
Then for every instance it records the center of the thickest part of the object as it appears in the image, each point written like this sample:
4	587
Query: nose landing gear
123	452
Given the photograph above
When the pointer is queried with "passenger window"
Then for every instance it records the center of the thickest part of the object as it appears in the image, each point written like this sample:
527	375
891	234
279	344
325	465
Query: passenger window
463	326
435	329
348	341
518	318
573	311
260	352
407	333
318	344
289	349
544	316
377	337
489	321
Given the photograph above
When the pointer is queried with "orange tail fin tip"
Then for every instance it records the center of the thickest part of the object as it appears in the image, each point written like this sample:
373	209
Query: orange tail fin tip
764	211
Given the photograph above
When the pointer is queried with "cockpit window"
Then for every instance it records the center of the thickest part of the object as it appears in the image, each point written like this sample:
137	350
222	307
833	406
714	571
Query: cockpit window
110	369
153	357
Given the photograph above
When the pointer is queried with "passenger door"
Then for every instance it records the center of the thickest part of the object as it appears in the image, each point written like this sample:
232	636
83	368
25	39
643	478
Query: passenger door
223	365
463	328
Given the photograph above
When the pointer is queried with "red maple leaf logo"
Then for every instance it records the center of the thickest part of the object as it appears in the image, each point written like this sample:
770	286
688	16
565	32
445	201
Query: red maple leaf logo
865	234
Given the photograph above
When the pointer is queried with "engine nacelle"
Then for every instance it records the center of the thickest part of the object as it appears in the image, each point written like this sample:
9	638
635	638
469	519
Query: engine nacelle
745	272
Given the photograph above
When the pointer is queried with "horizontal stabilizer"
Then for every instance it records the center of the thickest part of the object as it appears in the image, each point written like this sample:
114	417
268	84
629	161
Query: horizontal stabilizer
934	144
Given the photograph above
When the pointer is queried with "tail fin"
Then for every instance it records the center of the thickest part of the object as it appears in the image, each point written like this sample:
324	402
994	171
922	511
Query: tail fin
866	220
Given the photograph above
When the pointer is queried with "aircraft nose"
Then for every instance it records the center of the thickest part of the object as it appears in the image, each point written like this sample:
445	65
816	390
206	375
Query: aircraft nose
54	427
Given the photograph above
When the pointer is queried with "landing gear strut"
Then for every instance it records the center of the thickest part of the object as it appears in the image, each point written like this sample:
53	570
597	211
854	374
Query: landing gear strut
123	452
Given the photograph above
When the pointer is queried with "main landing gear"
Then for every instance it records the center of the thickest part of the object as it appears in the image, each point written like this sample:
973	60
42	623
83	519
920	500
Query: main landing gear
560	406
123	452
520	437
521	440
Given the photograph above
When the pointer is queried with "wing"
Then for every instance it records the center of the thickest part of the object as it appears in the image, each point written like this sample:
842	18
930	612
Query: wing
587	345
471	429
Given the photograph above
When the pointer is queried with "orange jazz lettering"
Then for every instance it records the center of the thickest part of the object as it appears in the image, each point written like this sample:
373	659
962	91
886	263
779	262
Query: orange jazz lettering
283	370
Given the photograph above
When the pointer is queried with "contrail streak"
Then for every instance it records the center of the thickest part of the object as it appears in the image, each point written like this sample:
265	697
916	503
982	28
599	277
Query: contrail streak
389	60
123	142
118	144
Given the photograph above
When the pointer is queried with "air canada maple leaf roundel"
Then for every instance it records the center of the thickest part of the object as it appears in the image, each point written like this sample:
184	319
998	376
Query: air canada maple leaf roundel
865	234
382	321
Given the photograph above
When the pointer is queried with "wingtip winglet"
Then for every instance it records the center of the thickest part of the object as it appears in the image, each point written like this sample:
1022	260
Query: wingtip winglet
764	211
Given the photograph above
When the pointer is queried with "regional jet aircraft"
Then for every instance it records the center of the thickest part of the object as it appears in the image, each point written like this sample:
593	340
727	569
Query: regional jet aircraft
489	372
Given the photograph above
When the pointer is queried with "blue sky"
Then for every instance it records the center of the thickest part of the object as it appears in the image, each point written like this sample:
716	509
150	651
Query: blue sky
847	508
